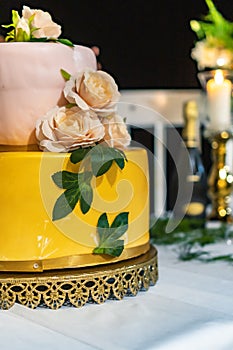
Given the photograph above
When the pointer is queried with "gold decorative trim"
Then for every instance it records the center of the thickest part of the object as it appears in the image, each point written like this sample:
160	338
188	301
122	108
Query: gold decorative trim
76	287
73	261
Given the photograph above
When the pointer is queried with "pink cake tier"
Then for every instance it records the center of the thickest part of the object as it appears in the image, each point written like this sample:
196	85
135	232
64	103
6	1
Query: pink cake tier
31	84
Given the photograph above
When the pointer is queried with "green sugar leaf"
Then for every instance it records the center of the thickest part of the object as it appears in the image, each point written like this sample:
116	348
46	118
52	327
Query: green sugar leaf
120	224
45	39
115	250
103	221
65	74
65	42
86	197
120	162
98	158
39	40
101	170
66	203
99	250
79	154
78	187
119	157
108	235
66	179
102	158
102	227
70	105
85	177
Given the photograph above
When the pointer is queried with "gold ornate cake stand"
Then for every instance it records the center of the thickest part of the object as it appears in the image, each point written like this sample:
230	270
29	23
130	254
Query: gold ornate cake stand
76	287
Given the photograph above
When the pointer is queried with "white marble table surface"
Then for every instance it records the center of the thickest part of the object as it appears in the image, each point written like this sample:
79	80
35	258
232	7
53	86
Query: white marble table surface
190	307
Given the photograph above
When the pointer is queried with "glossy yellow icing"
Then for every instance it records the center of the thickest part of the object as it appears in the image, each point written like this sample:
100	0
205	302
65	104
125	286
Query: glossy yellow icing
28	194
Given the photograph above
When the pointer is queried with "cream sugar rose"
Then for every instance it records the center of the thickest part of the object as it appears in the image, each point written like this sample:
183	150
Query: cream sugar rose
89	117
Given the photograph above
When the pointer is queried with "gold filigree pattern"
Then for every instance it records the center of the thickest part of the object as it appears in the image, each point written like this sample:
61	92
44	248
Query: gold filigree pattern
77	287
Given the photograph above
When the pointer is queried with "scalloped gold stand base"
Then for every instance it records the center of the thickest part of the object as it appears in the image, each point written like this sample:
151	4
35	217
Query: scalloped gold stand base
76	287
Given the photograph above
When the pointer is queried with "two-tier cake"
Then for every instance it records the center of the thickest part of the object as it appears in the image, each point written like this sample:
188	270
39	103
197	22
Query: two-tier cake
73	193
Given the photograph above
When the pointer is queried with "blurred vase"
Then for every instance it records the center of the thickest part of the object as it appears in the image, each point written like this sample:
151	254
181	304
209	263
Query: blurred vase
220	179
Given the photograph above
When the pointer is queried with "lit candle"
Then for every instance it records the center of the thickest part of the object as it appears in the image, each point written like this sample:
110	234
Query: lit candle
219	102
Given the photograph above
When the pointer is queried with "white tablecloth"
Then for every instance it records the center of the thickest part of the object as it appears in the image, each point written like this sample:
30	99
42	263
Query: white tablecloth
190	307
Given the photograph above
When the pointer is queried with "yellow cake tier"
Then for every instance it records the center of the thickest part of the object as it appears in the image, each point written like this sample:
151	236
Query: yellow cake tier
31	241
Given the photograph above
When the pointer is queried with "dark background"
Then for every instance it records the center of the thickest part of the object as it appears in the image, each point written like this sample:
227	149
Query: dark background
144	44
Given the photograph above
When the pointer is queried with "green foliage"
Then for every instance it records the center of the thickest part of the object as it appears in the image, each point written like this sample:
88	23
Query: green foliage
45	39
65	74
66	42
77	188
100	158
109	242
214	27
190	238
79	154
66	203
95	161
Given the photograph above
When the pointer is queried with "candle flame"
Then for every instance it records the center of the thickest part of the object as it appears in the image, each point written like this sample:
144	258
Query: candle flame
218	77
